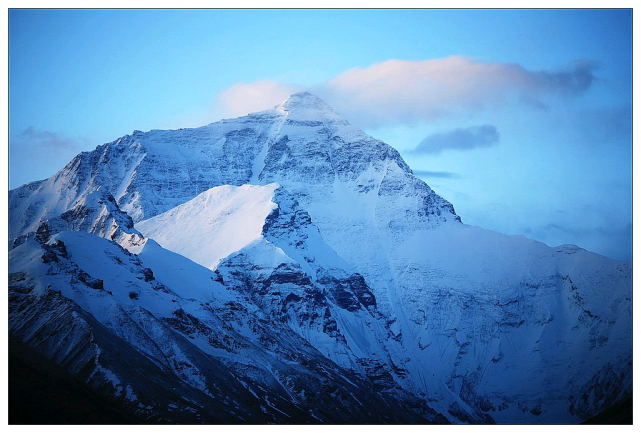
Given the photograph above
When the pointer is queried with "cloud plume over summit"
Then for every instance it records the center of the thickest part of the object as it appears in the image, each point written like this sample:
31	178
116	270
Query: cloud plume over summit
243	98
409	92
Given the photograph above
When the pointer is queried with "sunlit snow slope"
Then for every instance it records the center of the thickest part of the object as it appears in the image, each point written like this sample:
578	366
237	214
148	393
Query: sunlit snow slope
214	224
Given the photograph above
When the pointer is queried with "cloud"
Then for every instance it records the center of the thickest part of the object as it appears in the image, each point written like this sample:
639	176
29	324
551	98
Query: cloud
401	91
608	125
243	98
458	139
41	151
47	141
408	92
437	174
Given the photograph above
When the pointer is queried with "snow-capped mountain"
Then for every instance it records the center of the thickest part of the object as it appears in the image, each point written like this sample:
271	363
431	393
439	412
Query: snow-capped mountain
294	265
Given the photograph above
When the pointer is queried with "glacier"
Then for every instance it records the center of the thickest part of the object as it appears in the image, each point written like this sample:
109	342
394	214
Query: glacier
285	267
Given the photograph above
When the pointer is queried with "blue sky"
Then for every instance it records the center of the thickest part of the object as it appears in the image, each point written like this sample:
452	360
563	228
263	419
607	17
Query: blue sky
521	118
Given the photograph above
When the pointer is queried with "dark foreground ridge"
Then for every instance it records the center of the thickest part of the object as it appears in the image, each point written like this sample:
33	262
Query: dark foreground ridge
619	414
42	392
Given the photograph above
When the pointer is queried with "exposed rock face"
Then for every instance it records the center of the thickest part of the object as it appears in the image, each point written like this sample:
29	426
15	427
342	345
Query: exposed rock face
291	268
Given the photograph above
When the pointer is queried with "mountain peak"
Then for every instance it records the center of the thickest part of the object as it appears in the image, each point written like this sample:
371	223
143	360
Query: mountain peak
305	101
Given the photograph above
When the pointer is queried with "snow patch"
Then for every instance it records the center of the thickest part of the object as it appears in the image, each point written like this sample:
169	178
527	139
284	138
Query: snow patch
214	224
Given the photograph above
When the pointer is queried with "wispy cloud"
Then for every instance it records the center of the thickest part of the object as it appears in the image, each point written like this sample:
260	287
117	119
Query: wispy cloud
33	150
437	174
605	125
458	139
408	92
47	141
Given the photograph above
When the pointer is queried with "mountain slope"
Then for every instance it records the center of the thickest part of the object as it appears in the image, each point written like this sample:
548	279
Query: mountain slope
301	144
493	292
284	266
170	353
325	233
232	216
514	321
